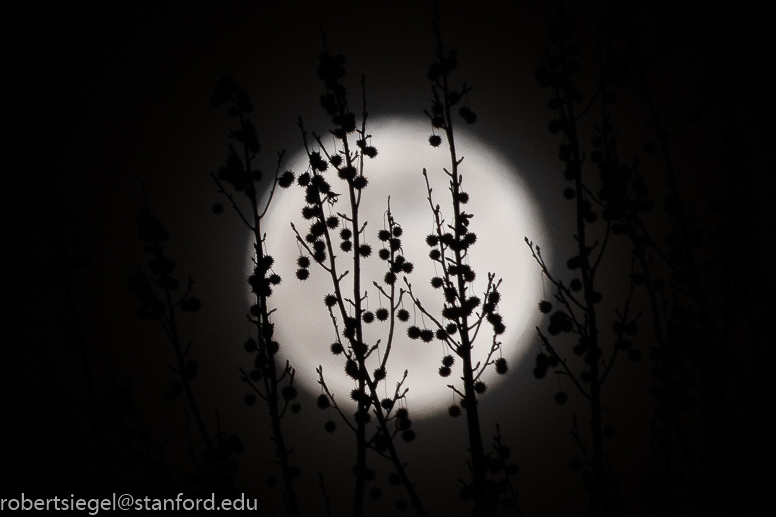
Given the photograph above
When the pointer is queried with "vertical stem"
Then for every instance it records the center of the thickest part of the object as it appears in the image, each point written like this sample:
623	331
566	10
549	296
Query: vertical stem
271	380
481	506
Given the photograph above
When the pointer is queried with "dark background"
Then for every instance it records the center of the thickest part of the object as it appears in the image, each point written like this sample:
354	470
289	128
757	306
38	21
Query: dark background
105	99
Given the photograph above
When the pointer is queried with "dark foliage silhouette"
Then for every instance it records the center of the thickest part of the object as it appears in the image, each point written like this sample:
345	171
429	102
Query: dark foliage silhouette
160	299
464	313
654	347
239	181
347	304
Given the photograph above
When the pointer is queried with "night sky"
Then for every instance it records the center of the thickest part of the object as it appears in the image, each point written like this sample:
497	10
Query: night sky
111	101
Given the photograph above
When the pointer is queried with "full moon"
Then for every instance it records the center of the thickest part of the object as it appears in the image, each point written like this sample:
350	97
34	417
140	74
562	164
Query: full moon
504	213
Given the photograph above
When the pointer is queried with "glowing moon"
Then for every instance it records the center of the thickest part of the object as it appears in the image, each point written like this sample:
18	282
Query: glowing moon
504	213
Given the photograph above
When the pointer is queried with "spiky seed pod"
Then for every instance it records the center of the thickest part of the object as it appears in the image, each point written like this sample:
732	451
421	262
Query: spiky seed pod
332	222
288	392
408	435
273	347
574	262
370	151
360	182
494	318
351	368
561	397
441	334
435	140
545	307
336	160
356	394
360	348
432	240
250	345
407	267
384	254
303	262
274	279
539	373
379	374
323	401
390	278
362	416
308	212
330	300
346	234
467	114
413	332
347	173
403	315
386	404
501	366
382	314
480	387
444	371
427	335
286	179
346	246
368	317
397	231
365	250
435	254
302	274
304	179
322	184
337	348
448	360
437	282
383	235
451	328
402	413
454	411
